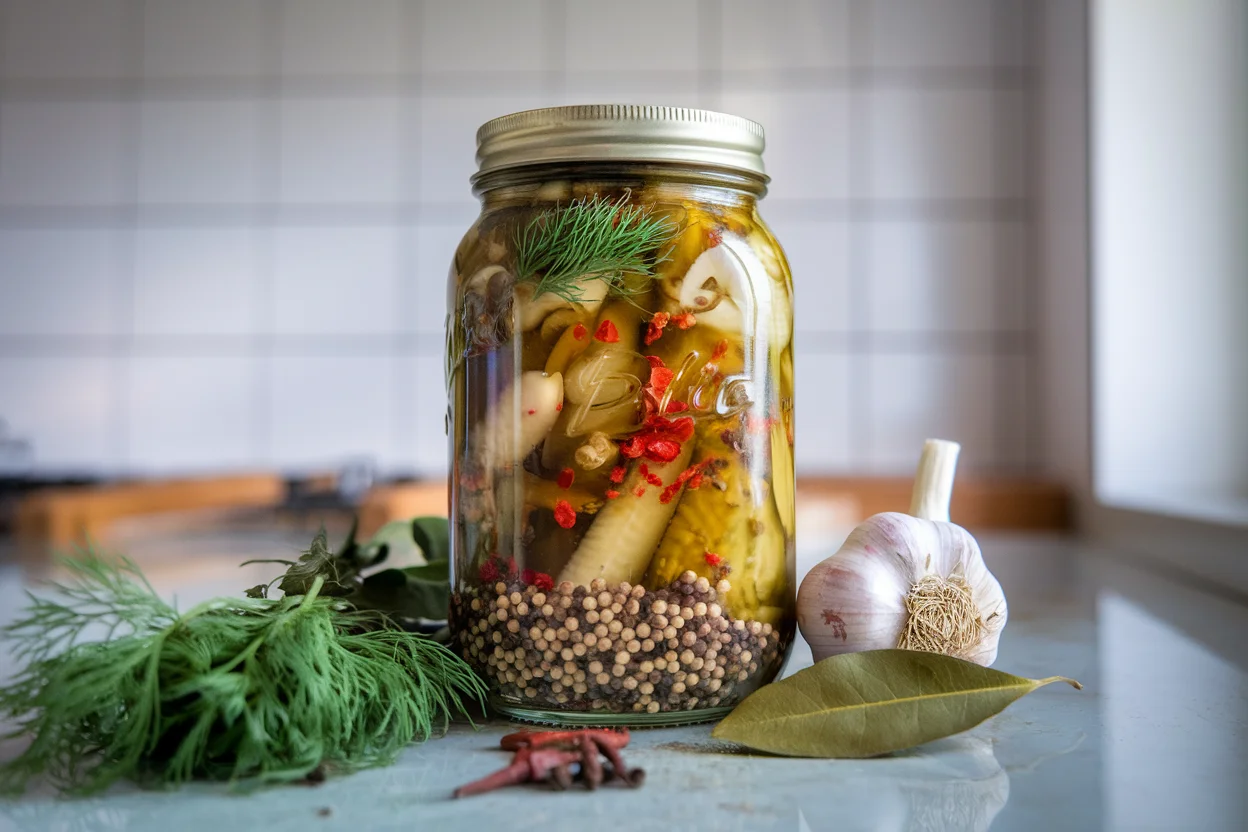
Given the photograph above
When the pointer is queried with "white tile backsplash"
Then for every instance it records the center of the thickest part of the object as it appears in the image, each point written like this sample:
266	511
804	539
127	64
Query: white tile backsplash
426	288
931	144
196	281
915	397
340	150
422	411
199	151
65	406
924	276
452	38
324	410
649	34
824	412
64	152
59	282
225	227
933	33
190	414
337	281
785	34
66	38
194	39
807	152
330	37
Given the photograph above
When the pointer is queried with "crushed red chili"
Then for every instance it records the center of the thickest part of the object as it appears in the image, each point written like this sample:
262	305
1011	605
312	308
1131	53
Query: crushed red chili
721	349
607	333
566	477
565	515
579	332
650	476
655	330
640	491
612	493
617	474
712	559
714	237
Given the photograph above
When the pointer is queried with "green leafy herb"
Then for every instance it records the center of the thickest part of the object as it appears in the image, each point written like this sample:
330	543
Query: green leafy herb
116	684
870	703
416	597
590	237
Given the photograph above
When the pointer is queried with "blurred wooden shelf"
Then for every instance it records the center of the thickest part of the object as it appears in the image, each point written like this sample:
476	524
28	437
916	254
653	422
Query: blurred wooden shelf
63	517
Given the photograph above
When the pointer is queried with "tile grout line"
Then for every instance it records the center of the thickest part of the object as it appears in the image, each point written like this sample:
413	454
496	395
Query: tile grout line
126	256
404	429
268	146
710	90
1030	298
859	381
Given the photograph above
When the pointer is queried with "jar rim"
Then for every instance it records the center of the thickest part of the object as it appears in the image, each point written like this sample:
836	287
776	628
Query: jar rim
621	132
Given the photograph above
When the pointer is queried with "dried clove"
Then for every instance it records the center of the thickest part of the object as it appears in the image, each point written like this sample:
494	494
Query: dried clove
548	756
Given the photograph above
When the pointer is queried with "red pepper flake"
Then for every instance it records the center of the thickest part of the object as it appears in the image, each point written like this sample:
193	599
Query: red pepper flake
527	576
662	450
566	476
650	477
685	321
633	447
692	475
531	412
607	333
612	493
641	491
676	407
660	379
617	474
712	559
565	515
559	407
721	349
714	237
489	571
579	332
655	330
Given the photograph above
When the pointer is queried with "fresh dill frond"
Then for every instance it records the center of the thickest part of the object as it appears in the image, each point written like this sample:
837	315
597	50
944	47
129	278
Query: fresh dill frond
591	237
246	690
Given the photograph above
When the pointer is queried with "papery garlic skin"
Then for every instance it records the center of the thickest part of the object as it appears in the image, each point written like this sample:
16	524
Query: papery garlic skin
855	600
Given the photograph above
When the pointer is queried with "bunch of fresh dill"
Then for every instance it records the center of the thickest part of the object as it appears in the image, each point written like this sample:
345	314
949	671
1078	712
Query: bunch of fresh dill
116	684
590	237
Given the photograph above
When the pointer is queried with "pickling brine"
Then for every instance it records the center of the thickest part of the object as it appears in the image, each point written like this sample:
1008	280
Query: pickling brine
620	374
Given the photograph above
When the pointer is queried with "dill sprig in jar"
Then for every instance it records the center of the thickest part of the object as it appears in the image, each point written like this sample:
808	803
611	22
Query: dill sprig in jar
620	375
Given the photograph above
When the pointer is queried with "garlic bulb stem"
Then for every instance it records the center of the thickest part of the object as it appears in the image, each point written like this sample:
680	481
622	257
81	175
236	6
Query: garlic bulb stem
933	482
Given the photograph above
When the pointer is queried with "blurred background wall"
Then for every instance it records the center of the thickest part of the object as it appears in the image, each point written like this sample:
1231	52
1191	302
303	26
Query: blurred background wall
225	226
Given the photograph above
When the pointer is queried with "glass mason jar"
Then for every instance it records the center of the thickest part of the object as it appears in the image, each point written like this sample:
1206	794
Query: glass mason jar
620	375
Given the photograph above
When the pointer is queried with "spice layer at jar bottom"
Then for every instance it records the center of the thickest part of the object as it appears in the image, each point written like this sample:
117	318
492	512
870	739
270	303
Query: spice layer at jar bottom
591	655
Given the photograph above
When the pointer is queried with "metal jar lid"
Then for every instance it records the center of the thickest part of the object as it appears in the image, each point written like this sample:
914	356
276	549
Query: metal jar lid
620	132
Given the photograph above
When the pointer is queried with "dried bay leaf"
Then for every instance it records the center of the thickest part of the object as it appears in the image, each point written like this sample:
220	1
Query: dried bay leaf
869	703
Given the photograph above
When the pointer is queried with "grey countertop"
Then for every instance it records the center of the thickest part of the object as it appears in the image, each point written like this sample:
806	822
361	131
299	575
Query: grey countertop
1158	739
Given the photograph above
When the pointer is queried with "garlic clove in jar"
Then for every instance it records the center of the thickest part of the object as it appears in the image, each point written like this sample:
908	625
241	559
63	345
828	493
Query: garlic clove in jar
914	581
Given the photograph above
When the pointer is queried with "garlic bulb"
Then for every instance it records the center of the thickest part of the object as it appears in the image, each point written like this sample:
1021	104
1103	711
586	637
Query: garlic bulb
914	581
